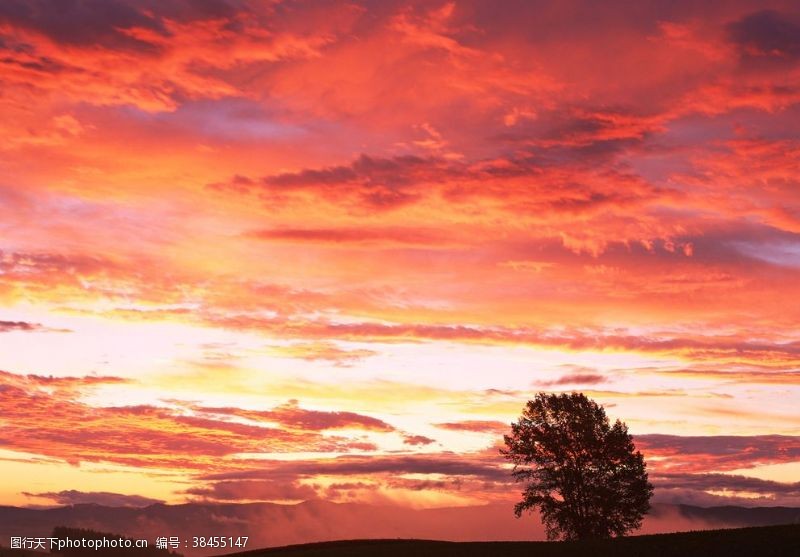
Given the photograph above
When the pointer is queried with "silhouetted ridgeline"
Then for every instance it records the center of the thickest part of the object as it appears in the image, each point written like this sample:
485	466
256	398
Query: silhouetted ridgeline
765	541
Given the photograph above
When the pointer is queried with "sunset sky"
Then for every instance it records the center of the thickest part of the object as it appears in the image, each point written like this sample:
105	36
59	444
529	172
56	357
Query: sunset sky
277	251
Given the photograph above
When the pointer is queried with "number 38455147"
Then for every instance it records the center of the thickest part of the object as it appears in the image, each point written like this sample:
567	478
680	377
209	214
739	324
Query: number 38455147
219	541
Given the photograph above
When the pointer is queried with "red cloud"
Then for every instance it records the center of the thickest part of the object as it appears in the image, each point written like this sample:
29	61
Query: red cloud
714	490
56	424
576	379
740	349
61	384
718	453
484	467
353	236
8	326
292	416
416	440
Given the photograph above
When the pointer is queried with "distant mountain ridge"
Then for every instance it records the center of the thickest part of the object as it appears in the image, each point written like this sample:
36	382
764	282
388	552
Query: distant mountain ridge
272	524
743	516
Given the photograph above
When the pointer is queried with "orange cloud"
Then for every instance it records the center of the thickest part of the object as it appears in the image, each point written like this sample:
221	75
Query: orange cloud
323	351
478	426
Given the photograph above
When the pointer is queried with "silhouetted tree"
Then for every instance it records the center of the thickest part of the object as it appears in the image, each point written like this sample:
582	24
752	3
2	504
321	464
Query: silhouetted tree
584	475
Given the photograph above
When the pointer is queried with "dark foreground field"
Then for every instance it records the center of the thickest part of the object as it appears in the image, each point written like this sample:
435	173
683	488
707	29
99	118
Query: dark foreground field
763	541
767	541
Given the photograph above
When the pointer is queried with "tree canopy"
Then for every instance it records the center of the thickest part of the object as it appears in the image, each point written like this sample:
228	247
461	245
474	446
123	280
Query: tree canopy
583	474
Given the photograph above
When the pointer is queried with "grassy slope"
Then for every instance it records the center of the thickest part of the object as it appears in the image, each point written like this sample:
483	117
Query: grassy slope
766	541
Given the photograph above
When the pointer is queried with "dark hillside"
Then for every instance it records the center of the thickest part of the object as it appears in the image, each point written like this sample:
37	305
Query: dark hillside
769	541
